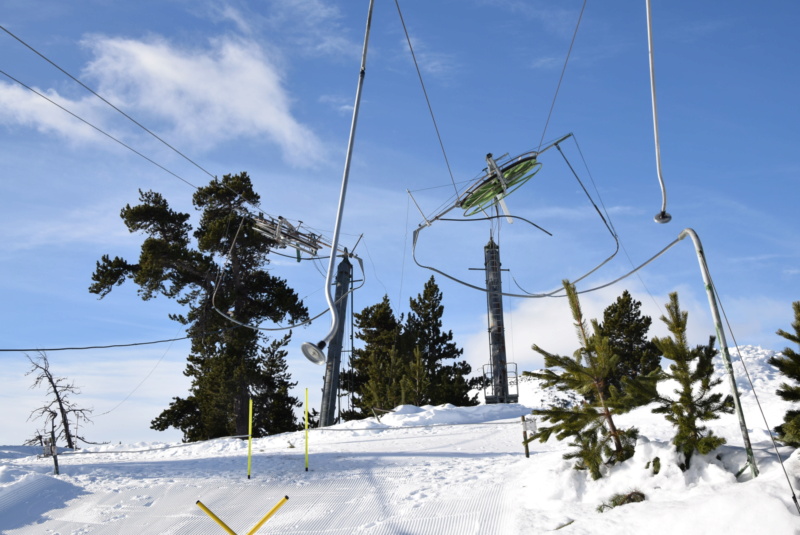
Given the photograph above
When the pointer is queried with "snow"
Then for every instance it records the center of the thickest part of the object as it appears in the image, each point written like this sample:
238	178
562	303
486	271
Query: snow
438	470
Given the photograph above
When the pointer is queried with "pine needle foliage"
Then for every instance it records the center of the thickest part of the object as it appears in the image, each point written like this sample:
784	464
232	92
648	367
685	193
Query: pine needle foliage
789	365
626	329
411	361
596	438
692	369
213	265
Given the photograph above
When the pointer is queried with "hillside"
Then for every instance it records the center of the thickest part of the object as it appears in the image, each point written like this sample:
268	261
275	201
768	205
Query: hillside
438	470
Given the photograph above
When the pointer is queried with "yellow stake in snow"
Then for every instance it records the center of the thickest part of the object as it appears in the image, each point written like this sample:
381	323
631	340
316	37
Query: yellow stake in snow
250	440
215	518
261	522
268	515
306	429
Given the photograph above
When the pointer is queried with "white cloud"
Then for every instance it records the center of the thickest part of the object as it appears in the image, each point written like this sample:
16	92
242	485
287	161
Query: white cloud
227	91
230	90
23	107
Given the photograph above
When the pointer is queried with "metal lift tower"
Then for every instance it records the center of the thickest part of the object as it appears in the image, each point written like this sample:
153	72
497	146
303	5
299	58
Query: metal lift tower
498	377
330	389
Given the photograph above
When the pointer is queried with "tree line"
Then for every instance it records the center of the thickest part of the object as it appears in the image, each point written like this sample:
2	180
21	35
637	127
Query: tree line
617	369
220	267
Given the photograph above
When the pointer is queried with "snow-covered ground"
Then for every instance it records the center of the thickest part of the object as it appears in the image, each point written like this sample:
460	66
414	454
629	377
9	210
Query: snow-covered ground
421	470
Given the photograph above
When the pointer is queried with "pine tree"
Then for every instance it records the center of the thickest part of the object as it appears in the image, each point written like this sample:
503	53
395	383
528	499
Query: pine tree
423	329
379	329
626	329
416	383
270	391
693	370
221	264
789	365
595	435
385	388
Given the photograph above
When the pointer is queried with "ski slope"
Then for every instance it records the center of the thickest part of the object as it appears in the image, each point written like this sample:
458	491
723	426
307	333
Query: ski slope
420	470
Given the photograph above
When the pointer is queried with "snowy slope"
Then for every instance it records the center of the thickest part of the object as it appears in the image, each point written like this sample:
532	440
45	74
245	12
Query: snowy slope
437	470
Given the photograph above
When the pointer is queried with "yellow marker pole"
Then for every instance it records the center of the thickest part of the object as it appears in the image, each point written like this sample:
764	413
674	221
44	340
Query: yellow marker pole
215	518
268	515
250	440
306	429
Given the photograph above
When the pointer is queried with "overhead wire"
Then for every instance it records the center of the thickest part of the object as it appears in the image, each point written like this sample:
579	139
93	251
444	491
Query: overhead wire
85	348
124	114
755	395
146	377
93	92
427	99
563	71
621	243
97	128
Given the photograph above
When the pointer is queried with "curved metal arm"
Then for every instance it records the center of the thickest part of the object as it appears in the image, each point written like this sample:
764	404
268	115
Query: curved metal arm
662	216
313	352
723	345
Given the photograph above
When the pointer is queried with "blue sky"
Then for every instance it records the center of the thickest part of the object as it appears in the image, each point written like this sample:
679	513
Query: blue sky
268	88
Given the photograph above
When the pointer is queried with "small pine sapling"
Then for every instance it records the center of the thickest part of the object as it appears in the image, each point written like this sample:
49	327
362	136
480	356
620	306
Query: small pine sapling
692	369
595	435
789	365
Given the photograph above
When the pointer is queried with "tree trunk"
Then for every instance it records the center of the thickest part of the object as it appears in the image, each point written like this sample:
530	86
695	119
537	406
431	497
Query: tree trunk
61	410
610	421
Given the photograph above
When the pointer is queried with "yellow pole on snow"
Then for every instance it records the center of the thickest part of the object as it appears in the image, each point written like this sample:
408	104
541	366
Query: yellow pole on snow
306	429
250	440
268	515
215	518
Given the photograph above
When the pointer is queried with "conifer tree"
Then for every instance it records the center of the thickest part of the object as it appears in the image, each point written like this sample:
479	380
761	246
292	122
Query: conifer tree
626	329
379	329
692	369
385	388
200	269
423	329
416	382
595	435
789	365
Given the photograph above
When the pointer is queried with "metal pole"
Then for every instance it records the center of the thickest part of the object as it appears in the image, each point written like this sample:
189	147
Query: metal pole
330	389
723	345
314	351
662	216
497	336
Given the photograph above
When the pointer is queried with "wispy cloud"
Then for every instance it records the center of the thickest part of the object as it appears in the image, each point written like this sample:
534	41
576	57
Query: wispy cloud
317	27
226	91
20	106
99	224
202	96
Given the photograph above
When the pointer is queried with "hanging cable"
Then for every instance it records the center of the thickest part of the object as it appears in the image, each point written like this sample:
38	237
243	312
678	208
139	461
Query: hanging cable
93	92
563	70
98	129
662	216
427	99
755	395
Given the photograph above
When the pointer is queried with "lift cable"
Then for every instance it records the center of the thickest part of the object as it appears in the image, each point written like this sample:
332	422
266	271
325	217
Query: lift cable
758	402
427	99
563	70
93	92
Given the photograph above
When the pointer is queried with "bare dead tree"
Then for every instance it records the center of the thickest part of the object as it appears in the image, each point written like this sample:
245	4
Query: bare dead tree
59	405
